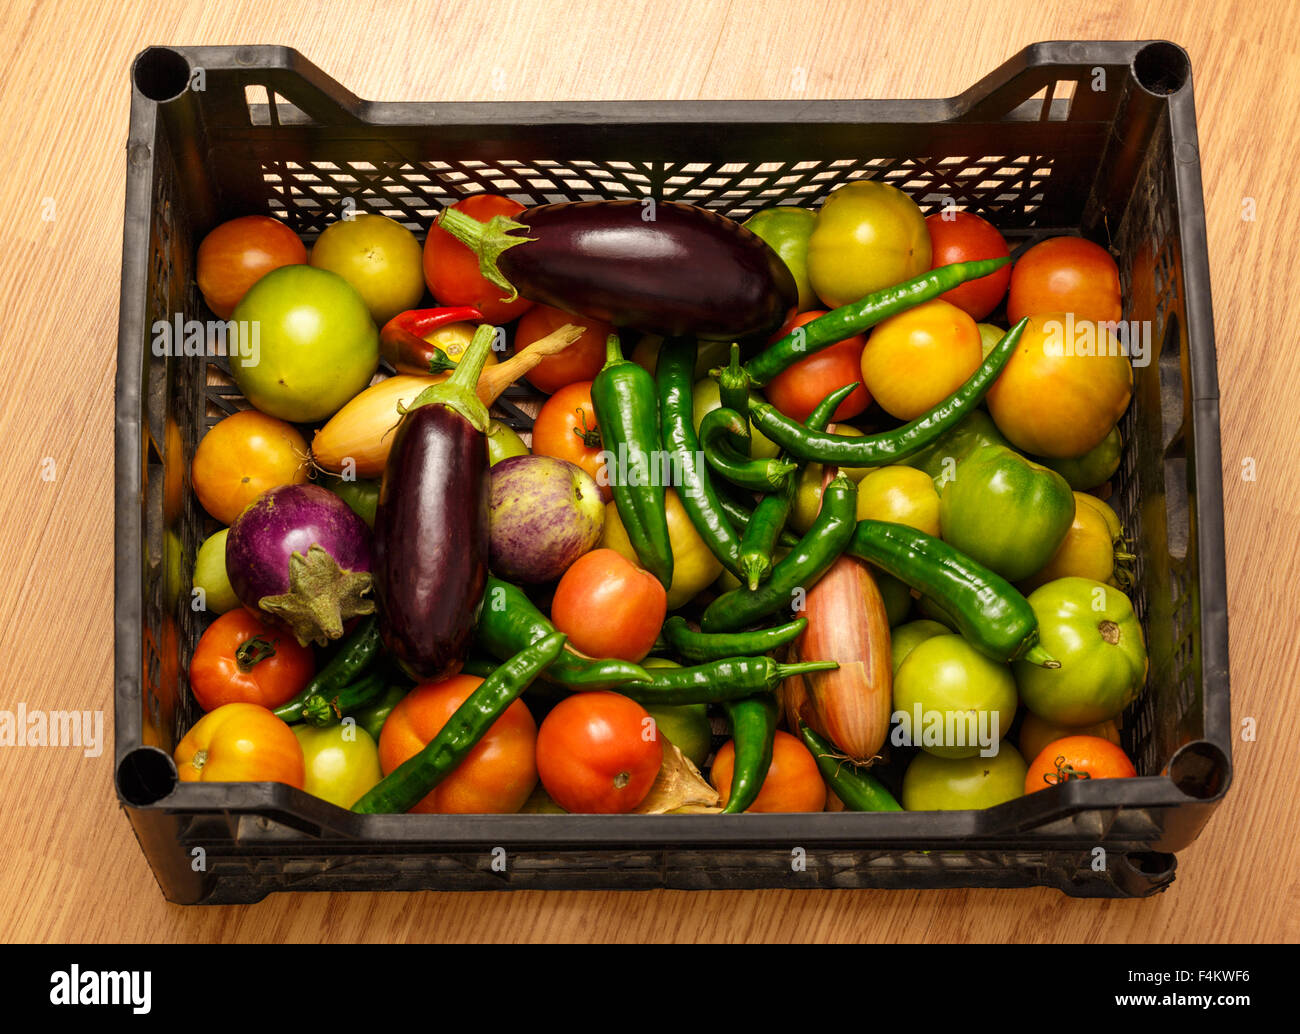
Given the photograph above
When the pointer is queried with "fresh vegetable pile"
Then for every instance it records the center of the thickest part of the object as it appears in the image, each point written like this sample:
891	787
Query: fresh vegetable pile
786	490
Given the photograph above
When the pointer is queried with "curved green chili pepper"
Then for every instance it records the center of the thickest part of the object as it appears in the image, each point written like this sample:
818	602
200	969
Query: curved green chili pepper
351	658
627	413
740	517
702	647
509	622
716	429
409	782
373	715
674	376
726	679
854	785
773	510
733	393
983	606
891	446
847	320
753	731
799	569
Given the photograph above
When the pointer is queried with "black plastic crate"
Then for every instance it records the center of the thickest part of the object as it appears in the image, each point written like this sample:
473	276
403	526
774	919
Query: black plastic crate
1097	138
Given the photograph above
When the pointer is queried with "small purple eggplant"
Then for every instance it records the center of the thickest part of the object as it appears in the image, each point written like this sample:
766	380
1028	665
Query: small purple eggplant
301	555
671	268
431	525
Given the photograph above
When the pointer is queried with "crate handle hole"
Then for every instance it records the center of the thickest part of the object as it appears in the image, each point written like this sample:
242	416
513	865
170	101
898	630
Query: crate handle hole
145	777
161	74
1200	770
1152	864
1161	68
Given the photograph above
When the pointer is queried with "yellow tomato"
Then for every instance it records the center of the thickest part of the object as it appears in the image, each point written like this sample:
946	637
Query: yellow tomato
454	339
915	360
1051	400
1111	517
900	495
694	566
1087	551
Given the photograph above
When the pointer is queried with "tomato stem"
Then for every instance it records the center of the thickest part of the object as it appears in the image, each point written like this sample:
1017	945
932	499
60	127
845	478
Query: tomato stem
254	651
590	435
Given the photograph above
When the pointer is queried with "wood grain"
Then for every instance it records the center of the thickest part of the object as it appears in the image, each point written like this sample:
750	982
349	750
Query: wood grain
69	866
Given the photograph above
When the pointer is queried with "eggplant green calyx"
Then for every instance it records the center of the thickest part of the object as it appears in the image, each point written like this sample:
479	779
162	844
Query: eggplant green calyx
486	240
458	392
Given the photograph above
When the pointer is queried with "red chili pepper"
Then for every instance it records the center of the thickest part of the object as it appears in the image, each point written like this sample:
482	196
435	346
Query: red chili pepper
402	342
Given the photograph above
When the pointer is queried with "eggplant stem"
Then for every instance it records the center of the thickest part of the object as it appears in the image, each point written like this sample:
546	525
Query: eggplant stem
459	391
487	241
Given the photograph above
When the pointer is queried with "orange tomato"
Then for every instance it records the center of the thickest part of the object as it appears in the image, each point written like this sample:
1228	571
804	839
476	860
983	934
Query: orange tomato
796	390
965	237
581	361
245	454
1052	401
915	360
566	427
240	657
238	253
240	743
1077	757
496	777
793	781
598	752
609	607
1065	274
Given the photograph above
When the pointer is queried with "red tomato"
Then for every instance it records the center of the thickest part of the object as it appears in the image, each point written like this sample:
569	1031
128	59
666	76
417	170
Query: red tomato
793	782
242	456
237	254
451	269
581	361
240	743
243	659
965	237
797	390
1077	757
598	752
1065	274
496	777
566	428
609	607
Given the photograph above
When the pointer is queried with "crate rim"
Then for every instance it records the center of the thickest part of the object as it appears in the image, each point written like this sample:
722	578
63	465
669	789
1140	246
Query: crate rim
324	99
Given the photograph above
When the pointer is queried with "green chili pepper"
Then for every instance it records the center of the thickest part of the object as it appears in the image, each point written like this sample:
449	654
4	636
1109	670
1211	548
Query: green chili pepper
756	475
351	658
701	647
627	412
373	715
740	517
321	709
773	510
726	679
854	785
753	730
842	323
509	622
891	446
984	607
673	376
800	568
733	393
407	784
479	665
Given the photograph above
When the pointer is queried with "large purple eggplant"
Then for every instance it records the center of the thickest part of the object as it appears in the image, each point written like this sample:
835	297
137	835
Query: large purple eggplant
431	525
667	268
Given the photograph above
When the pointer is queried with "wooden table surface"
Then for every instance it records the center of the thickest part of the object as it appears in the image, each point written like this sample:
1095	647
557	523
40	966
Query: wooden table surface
70	868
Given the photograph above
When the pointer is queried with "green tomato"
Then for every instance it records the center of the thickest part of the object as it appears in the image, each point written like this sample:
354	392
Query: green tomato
1006	512
989	336
361	495
905	638
940	460
503	442
317	345
955	784
705	399
687	727
945	675
897	596
379	257
1090	628
341	762
786	230
1095	467
210	574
